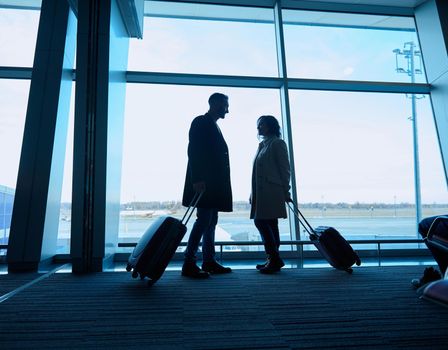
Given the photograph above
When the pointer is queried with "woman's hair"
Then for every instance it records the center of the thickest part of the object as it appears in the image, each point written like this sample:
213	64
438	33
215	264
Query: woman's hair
272	124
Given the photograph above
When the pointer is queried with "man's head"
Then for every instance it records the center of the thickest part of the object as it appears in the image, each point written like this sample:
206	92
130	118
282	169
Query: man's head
219	105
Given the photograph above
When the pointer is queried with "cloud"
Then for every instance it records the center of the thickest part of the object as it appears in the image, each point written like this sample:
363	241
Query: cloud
348	71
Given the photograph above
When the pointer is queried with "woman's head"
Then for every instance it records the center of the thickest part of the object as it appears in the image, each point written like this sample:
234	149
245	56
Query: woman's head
268	125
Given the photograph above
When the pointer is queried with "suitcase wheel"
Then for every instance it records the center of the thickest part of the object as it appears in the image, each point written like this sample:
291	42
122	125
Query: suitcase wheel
150	282
349	270
134	274
128	268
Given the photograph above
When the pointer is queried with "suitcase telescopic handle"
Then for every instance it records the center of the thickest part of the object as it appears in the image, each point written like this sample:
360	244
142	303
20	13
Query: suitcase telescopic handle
303	221
194	202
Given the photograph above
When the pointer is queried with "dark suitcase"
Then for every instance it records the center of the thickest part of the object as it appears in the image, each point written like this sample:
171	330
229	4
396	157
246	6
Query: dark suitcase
158	244
330	243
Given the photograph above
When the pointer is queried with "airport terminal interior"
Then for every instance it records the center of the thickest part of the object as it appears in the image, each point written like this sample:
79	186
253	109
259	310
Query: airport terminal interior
97	98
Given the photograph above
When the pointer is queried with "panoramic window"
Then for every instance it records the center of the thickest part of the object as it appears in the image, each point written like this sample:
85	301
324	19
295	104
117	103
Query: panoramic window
341	46
205	39
354	152
17	47
354	161
12	122
157	121
434	190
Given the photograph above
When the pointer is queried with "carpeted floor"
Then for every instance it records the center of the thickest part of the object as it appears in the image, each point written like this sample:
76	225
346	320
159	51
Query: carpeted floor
10	282
375	308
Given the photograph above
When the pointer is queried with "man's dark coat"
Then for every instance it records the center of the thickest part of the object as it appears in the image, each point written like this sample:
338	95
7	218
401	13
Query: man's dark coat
208	161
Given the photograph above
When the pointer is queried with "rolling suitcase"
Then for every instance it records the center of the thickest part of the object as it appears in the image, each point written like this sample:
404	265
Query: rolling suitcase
330	243
158	244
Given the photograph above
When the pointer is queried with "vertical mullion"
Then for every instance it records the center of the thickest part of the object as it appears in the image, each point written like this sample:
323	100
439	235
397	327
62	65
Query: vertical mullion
285	108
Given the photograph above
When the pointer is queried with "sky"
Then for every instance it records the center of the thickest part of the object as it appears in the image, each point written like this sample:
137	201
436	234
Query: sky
348	147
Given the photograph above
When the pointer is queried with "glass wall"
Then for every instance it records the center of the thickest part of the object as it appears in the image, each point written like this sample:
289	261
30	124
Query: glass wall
13	102
434	190
16	50
354	161
157	121
353	151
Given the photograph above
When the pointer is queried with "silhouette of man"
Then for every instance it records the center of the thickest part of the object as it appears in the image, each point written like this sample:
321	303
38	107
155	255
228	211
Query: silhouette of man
208	171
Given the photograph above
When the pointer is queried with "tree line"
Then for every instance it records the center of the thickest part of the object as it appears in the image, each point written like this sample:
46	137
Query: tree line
244	205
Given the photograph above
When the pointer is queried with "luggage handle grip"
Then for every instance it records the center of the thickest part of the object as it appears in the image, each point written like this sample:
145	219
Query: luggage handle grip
194	202
306	225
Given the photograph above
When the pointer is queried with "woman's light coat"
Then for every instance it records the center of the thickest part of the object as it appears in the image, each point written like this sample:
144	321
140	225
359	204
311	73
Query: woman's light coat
270	180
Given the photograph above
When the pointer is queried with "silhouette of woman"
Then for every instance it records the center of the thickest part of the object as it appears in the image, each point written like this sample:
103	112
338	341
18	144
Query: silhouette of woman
270	190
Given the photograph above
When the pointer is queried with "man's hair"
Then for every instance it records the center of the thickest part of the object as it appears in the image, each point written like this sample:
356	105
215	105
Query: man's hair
216	97
272	124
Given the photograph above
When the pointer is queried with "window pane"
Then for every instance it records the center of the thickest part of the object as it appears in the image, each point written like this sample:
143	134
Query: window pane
13	103
18	45
6	203
187	38
65	214
354	162
157	122
326	45
434	192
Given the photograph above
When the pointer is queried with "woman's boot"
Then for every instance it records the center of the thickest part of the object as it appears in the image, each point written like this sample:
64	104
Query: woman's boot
274	264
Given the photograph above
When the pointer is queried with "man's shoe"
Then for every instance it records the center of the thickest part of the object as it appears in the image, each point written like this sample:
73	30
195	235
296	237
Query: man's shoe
429	275
260	266
215	267
190	269
274	265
